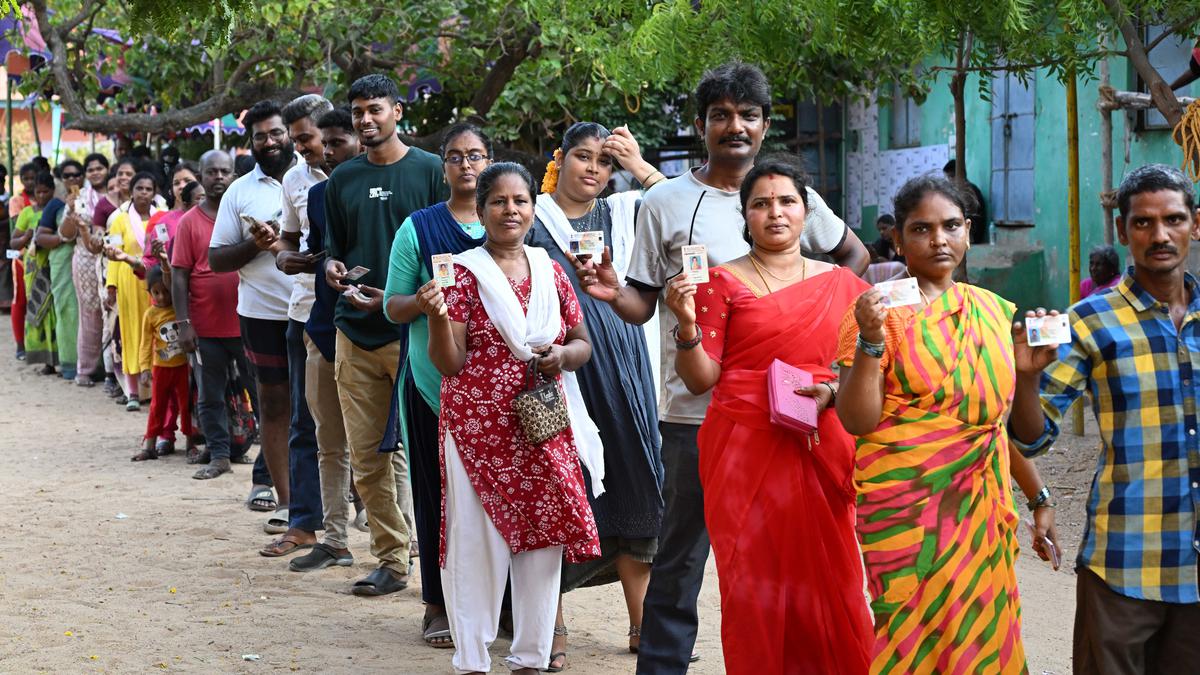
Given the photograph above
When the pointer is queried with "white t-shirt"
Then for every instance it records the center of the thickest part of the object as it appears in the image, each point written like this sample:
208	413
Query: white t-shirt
263	291
683	211
296	183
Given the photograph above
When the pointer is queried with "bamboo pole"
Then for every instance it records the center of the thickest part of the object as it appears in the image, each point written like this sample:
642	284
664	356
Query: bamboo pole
12	170
1073	210
1106	158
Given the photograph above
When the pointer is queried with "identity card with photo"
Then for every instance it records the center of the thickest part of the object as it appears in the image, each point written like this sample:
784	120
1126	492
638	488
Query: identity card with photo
695	263
114	240
899	292
587	243
160	231
12	254
357	272
443	270
1047	330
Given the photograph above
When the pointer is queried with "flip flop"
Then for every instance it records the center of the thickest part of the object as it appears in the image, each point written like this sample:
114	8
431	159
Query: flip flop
144	456
285	545
262	498
277	523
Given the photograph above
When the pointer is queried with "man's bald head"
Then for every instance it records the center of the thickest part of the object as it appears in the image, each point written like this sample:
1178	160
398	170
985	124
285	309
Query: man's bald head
216	173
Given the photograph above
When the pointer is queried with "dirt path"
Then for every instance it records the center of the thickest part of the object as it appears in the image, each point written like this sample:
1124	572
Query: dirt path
176	584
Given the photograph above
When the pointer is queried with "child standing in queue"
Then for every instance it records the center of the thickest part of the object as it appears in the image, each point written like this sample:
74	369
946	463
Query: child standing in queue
164	368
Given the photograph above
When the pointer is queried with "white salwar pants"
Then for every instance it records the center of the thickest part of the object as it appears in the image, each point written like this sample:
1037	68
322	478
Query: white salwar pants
478	562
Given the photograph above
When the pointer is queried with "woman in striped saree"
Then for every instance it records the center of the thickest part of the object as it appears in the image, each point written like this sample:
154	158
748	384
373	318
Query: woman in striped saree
927	388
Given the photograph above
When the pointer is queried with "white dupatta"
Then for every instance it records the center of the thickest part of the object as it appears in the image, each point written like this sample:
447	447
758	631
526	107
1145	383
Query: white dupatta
624	210
534	328
623	205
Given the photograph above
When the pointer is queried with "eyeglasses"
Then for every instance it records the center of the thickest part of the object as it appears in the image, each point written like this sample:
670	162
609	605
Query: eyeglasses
473	158
275	134
69	176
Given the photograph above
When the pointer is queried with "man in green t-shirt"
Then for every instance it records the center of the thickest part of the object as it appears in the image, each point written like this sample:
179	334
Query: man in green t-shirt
366	201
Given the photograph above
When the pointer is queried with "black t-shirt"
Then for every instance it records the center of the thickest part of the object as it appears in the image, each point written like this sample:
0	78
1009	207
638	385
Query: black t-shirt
365	204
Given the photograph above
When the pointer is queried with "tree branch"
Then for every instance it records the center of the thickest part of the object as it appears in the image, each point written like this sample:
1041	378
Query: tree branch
240	72
1160	92
1173	31
502	72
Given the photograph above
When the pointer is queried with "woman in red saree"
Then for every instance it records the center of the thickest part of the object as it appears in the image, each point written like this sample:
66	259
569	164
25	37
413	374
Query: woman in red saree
779	504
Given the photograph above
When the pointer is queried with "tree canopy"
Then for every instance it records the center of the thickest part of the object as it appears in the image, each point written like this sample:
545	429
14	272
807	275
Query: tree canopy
529	67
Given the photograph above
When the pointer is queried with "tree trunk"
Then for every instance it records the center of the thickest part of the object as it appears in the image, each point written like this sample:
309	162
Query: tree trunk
1160	92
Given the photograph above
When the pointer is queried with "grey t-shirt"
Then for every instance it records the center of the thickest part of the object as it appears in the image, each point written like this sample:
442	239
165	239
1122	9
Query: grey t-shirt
683	211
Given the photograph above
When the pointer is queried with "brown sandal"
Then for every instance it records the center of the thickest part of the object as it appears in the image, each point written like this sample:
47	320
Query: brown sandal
144	455
285	545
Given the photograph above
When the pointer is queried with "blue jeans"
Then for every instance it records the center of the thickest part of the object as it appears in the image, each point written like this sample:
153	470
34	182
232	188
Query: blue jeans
670	618
304	507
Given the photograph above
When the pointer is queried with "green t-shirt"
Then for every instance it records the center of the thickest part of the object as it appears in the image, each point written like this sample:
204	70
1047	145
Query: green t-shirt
407	273
365	204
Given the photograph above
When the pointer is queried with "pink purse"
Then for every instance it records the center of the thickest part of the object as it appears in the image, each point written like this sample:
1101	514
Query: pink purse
789	409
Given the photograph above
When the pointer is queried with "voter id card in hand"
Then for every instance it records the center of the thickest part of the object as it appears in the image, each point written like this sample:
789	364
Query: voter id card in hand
587	243
695	263
899	292
12	254
443	270
114	240
357	272
160	232
1047	330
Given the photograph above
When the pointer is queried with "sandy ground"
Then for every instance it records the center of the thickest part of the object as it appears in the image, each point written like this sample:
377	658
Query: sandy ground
177	584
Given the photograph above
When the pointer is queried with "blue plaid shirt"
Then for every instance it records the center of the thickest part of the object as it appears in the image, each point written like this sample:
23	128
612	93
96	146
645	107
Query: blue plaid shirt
1141	535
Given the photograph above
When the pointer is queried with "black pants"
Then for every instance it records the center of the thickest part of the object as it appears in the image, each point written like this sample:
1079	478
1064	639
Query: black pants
217	355
424	467
670	620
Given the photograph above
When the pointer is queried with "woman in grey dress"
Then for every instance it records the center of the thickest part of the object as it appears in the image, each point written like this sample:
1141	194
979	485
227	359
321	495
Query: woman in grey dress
617	383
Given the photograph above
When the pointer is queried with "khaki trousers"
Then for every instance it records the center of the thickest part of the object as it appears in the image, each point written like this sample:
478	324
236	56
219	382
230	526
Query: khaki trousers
333	455
365	380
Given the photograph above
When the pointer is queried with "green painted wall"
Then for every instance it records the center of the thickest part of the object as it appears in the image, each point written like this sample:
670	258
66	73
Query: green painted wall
1006	266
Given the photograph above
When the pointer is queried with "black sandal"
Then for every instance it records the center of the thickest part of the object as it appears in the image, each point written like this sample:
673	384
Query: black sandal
559	631
380	582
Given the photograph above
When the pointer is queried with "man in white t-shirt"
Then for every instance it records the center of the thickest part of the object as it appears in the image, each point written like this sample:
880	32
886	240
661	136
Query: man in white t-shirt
263	296
700	207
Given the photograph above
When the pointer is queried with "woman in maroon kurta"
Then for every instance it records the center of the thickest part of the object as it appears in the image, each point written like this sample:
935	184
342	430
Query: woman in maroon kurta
779	504
511	508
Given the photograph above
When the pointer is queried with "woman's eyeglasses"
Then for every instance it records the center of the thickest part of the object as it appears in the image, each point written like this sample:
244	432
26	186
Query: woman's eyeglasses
473	158
69	176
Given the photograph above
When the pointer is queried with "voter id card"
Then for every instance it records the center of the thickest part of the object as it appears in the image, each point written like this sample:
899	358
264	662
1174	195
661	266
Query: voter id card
587	243
357	272
114	240
695	263
1047	330
443	270
899	292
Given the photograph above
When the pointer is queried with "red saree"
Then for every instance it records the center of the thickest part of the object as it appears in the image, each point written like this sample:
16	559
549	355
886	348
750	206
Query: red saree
780	505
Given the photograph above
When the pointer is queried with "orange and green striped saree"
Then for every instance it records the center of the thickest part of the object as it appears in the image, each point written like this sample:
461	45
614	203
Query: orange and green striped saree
935	511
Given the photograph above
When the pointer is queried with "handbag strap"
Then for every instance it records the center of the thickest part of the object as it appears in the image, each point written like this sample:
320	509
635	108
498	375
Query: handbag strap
531	374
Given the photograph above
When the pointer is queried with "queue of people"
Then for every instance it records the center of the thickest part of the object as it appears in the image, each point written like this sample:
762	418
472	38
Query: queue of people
425	338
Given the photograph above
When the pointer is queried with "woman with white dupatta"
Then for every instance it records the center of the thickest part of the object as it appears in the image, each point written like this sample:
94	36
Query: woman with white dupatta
618	383
509	506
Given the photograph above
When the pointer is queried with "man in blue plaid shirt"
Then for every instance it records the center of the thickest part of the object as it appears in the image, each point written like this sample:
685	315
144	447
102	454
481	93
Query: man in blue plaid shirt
1136	348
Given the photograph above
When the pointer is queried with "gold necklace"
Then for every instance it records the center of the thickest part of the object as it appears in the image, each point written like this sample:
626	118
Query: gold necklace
756	262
